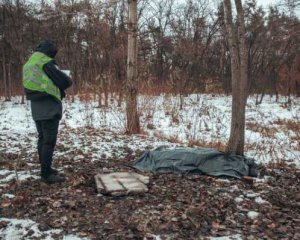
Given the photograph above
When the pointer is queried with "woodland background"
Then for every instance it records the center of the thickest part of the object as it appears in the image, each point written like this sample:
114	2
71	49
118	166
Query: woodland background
182	47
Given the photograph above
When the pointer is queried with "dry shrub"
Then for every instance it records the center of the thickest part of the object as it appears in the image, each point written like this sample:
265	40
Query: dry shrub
280	164
148	106
266	131
289	125
150	126
85	97
213	86
200	143
171	139
175	119
143	133
152	88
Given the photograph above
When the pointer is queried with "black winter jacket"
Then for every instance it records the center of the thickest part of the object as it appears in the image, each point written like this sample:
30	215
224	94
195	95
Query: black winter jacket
43	105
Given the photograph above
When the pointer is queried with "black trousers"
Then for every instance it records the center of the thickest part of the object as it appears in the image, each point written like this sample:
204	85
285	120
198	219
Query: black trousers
47	131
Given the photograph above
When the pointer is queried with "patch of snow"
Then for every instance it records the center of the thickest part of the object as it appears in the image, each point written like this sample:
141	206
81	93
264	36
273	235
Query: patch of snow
21	175
223	180
234	188
8	195
252	214
269	178
152	236
251	194
18	229
232	237
4	172
238	199
259	200
259	180
73	237
78	157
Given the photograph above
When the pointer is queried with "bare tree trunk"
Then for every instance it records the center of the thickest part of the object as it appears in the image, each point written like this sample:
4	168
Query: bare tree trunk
4	75
289	83
133	125
21	78
238	51
262	96
73	88
104	81
9	85
120	98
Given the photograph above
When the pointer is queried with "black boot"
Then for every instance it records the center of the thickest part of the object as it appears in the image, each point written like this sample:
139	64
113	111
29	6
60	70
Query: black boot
53	171
52	178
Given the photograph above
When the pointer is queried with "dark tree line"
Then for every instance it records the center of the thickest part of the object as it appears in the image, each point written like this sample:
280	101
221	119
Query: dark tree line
182	48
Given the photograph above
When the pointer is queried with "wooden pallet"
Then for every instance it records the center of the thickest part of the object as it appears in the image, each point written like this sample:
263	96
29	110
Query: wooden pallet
121	183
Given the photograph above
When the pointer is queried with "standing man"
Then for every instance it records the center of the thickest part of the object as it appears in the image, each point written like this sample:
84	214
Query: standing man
44	86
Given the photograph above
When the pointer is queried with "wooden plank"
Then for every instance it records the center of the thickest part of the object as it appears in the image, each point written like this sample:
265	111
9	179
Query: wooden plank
122	183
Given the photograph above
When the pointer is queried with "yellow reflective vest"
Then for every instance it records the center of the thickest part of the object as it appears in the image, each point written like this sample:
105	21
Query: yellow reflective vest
34	77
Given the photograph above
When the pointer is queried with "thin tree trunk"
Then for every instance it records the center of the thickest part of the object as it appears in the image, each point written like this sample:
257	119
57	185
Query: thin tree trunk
133	125
262	96
74	82
289	83
22	61
120	98
4	75
9	85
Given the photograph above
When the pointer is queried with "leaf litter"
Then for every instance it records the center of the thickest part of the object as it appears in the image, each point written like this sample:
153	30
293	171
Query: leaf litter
176	206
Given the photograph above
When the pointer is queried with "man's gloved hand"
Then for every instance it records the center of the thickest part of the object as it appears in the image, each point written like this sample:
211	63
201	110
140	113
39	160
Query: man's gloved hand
62	94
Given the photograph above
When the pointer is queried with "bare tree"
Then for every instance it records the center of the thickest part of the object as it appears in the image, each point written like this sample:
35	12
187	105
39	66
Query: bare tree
178	45
239	66
133	125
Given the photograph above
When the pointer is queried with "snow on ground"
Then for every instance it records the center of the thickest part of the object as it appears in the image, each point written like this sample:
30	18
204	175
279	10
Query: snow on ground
7	176
28	229
234	237
252	214
271	127
271	135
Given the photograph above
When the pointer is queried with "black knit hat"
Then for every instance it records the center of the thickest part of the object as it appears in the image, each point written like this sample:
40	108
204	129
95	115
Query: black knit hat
47	47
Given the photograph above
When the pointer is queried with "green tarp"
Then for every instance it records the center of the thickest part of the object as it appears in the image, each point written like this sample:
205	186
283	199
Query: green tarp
196	161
